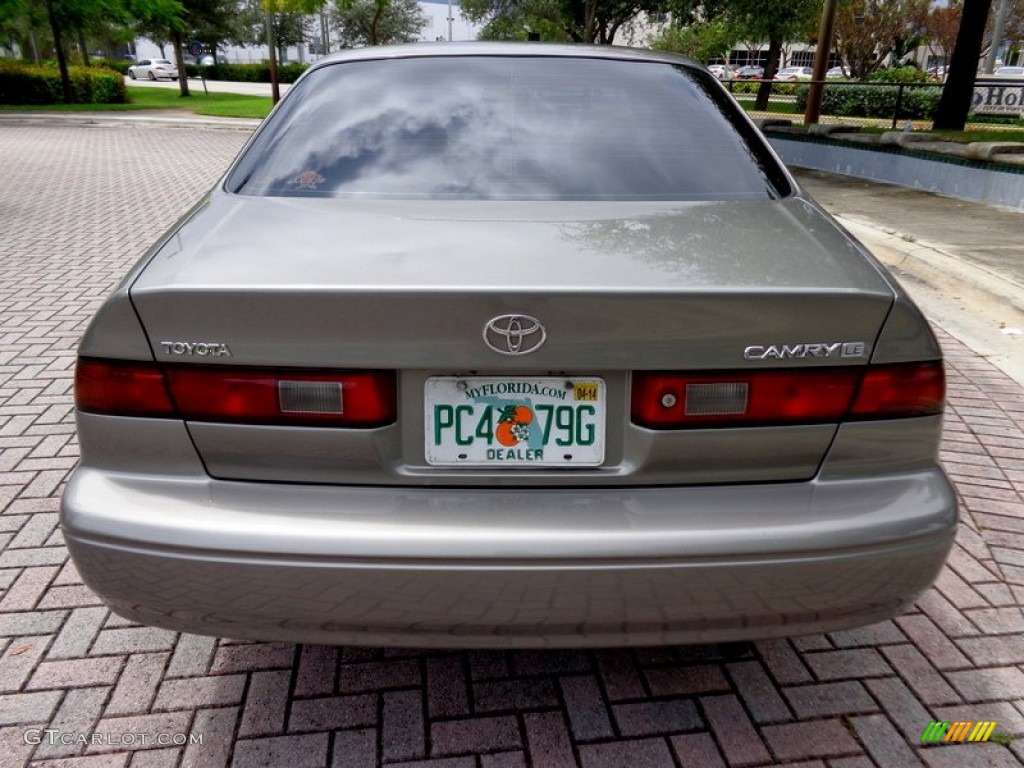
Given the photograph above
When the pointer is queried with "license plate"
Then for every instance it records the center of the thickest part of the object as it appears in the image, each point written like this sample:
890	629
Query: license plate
499	421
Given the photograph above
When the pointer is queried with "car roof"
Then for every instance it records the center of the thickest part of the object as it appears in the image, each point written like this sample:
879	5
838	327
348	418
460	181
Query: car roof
476	48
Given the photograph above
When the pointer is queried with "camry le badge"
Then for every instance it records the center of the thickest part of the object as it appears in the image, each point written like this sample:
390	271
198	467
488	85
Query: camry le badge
514	334
806	349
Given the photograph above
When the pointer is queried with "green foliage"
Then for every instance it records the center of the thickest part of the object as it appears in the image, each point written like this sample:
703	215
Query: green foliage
702	41
918	103
247	73
869	30
752	86
398	21
899	75
781	20
581	21
118	65
519	27
27	84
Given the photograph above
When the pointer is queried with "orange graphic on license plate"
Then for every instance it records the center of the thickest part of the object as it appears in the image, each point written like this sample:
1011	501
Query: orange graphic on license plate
513	425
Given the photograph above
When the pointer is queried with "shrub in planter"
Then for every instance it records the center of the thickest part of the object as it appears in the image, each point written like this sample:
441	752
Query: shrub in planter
875	101
899	75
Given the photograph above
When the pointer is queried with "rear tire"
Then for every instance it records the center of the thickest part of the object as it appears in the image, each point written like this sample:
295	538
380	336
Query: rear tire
151	75
132	75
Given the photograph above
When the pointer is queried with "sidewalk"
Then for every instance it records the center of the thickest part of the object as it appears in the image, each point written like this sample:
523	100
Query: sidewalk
962	262
166	117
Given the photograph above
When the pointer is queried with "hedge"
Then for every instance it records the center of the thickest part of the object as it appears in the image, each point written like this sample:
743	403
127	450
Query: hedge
247	73
118	65
752	86
875	101
28	84
900	75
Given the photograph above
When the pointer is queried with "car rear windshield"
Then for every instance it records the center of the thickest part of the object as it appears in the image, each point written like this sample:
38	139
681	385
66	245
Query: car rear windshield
508	128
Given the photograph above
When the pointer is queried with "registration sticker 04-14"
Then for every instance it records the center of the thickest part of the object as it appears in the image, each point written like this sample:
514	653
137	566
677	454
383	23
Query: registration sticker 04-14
514	421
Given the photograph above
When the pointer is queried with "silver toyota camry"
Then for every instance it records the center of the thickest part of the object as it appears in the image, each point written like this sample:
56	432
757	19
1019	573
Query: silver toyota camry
508	345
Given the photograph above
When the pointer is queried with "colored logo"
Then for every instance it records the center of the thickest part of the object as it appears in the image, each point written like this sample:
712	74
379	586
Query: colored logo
513	425
514	334
958	731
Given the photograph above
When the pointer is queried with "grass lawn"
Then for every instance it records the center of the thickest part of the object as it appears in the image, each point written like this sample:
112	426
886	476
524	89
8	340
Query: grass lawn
217	104
779	107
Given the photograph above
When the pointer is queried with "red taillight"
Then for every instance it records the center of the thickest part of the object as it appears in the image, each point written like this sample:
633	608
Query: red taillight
254	396
676	400
668	400
917	389
237	395
121	388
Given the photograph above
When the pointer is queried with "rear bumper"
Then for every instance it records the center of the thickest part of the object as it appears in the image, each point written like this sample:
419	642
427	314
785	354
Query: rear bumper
507	568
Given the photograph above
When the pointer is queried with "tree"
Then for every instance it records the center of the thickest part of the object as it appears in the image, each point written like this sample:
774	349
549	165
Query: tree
581	21
23	24
272	8
215	22
367	22
869	30
776	21
54	17
955	102
287	29
1013	27
514	21
702	41
941	26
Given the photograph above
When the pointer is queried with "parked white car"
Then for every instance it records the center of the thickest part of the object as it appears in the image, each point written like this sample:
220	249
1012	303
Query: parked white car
1014	72
721	71
154	69
794	73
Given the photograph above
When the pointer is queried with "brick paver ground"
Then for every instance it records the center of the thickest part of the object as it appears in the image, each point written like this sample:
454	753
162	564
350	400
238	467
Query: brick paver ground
77	206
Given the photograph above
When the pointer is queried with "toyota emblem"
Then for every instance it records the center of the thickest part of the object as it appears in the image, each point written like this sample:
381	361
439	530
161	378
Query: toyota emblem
514	334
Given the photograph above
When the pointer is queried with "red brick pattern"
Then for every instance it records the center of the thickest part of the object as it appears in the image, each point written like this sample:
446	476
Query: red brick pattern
78	206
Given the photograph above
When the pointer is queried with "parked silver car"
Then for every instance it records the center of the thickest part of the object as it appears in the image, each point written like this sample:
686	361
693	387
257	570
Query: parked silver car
153	69
508	345
789	74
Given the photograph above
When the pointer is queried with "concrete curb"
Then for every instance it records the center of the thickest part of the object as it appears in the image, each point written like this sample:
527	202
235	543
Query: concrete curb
981	308
956	175
939	258
132	119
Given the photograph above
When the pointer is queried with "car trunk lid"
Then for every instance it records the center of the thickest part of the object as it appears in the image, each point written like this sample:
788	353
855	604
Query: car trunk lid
410	287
